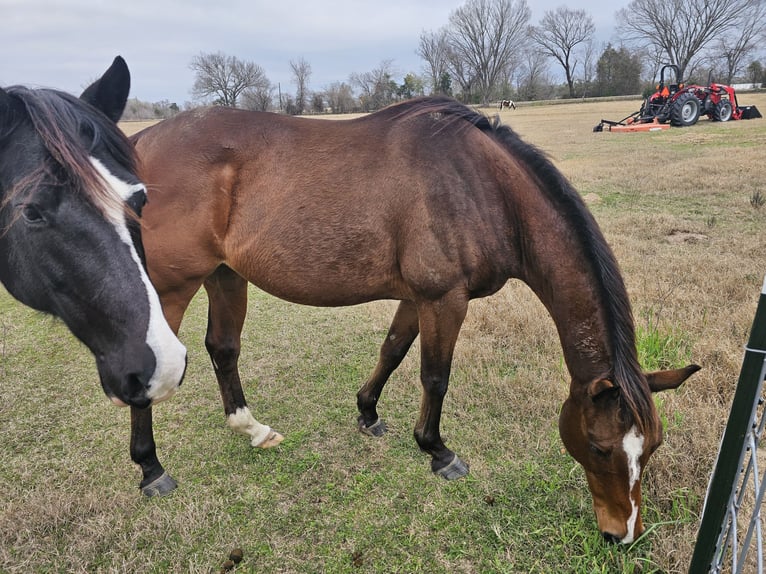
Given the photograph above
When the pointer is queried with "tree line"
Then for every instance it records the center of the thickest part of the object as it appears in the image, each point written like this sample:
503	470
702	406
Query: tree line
488	50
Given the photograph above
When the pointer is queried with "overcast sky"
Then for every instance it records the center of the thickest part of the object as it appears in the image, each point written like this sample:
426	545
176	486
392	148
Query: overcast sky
67	43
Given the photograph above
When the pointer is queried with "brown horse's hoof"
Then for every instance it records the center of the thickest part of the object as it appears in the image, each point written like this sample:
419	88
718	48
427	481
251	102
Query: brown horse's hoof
455	469
271	440
162	486
376	429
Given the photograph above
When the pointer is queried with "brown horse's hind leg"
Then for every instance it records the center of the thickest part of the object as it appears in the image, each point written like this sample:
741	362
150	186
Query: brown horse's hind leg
227	297
401	334
440	323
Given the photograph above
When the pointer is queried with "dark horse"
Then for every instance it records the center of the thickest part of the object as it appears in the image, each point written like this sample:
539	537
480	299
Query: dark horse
70	237
507	104
425	202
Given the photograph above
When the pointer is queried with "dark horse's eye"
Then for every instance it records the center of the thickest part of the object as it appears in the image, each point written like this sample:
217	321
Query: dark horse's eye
137	201
31	214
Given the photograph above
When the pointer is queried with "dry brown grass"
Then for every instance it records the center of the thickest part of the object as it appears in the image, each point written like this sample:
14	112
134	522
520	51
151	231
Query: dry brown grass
649	190
676	208
135	126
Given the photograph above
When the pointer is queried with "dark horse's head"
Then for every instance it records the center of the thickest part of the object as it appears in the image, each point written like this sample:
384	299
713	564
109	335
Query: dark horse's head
70	237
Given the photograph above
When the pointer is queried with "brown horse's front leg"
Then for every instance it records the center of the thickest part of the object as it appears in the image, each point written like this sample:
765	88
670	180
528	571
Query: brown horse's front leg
156	482
401	334
440	323
227	308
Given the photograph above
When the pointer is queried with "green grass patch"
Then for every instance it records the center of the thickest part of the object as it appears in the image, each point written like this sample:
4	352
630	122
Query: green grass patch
332	500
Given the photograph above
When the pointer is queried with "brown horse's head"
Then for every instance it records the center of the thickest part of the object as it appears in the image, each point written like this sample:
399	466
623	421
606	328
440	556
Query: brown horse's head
613	445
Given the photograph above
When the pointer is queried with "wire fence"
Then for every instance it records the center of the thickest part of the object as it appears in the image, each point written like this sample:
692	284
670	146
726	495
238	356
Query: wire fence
731	518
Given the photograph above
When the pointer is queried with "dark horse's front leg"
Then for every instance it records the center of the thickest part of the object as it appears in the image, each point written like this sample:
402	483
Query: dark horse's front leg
156	482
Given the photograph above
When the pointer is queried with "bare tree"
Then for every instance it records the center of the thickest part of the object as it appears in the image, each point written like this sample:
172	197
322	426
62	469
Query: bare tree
317	102
411	87
224	78
588	66
378	89
259	98
301	74
485	38
683	28
731	49
340	97
755	72
533	75
433	48
558	35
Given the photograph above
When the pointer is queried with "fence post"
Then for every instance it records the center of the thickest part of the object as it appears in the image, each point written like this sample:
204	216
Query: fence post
733	446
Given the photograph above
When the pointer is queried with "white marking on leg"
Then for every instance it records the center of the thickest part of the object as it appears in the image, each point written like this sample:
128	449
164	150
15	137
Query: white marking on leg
633	445
169	352
244	423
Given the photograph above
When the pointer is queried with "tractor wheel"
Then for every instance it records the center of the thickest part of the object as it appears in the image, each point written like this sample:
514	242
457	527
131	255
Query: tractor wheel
722	111
685	111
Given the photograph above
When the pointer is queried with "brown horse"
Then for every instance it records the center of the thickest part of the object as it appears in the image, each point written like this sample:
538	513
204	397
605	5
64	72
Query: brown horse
428	203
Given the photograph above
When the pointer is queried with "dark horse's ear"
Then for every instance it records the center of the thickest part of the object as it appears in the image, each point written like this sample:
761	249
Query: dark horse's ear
6	111
664	380
5	107
110	92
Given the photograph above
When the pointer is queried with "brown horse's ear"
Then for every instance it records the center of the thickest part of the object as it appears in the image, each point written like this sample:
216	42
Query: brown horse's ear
664	380
601	388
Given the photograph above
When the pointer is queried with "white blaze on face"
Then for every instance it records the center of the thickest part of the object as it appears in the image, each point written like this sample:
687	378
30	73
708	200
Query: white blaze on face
633	445
169	353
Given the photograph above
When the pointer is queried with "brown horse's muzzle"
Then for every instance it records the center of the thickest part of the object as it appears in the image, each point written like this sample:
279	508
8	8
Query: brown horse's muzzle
618	517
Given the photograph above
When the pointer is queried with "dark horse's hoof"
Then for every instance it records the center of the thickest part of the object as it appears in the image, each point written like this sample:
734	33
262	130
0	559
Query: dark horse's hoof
160	487
455	469
376	429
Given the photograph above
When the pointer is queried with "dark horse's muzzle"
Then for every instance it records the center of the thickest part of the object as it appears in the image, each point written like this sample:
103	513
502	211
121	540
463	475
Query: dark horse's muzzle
140	379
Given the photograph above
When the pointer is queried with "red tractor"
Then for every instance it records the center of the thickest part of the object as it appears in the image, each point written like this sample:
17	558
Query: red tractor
682	105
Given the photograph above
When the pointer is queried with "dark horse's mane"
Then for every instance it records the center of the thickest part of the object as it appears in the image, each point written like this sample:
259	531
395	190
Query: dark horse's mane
635	394
71	129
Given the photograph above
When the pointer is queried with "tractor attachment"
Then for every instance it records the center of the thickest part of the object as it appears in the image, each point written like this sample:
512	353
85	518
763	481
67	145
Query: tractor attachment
681	105
630	124
749	113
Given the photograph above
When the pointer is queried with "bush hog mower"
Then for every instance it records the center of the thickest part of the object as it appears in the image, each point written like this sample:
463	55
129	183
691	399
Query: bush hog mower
681	105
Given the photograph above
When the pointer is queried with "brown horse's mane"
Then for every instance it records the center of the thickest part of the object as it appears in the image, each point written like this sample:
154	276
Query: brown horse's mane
635	394
71	129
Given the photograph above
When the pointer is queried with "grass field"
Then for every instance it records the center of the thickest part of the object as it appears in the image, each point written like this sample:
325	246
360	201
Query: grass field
681	210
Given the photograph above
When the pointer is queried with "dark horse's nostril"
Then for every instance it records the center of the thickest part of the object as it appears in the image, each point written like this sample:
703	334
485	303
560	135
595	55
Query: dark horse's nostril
136	391
611	538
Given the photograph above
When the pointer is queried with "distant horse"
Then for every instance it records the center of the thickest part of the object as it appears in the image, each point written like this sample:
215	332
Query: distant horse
426	202
507	104
70	238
